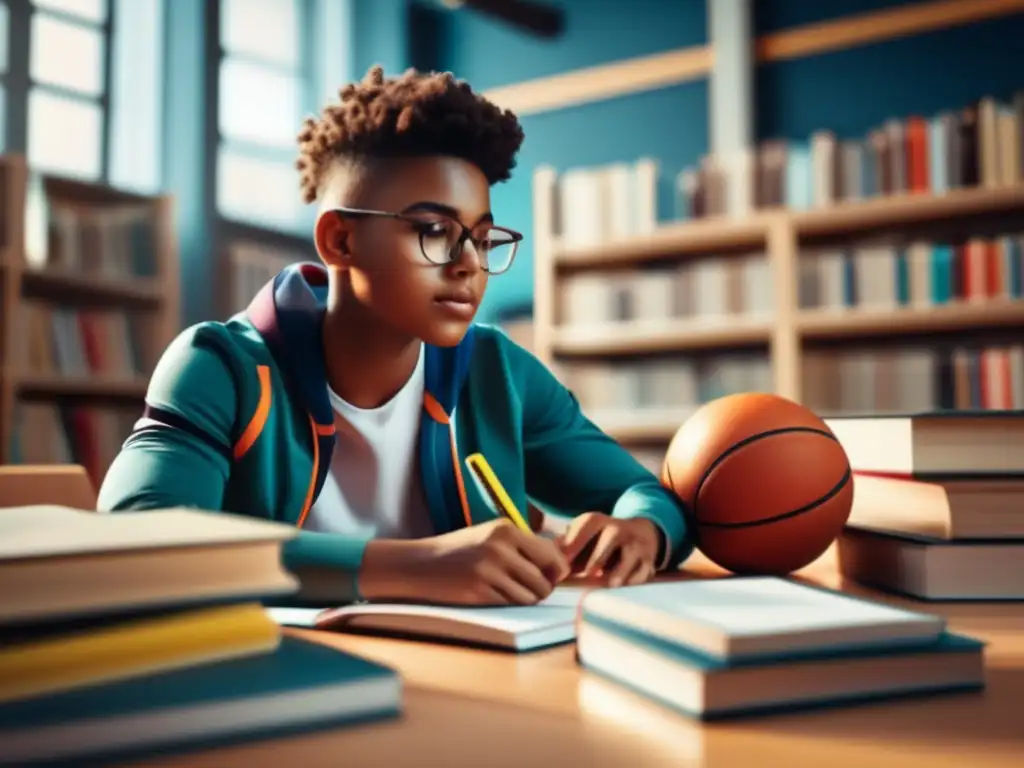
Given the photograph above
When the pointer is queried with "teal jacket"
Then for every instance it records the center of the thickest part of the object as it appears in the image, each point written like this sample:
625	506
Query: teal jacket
238	419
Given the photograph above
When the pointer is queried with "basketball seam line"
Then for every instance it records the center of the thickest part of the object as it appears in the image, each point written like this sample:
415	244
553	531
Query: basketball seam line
741	444
785	515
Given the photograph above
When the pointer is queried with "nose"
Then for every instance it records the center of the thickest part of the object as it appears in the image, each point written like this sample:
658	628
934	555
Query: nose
467	261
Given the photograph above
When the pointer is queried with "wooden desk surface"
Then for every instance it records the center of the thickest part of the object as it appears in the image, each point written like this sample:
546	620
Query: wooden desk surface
479	708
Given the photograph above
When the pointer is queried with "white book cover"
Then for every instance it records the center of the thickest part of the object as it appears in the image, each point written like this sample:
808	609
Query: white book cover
758	617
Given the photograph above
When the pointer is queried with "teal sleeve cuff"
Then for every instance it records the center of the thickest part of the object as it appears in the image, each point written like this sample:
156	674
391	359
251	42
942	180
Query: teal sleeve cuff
651	501
326	564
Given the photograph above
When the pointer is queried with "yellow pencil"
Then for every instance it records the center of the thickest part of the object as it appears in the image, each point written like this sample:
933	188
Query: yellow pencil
485	477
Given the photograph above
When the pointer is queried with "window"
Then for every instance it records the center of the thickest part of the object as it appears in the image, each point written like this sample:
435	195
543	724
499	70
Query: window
5	23
67	98
264	90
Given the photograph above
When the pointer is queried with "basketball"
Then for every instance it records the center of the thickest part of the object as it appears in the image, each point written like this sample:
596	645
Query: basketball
767	484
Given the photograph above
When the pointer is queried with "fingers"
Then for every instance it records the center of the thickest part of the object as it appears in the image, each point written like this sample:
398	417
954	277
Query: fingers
629	561
608	544
641	575
529	575
514	578
580	534
545	555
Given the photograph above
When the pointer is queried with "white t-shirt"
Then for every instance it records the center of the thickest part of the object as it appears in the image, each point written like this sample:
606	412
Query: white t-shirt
373	488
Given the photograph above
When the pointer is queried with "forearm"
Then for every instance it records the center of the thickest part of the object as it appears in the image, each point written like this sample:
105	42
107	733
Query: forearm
337	569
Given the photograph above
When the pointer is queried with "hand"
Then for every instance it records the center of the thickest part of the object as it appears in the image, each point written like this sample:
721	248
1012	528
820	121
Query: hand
620	551
488	564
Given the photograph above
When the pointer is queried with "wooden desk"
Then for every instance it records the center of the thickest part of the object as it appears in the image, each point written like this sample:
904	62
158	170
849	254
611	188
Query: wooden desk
480	709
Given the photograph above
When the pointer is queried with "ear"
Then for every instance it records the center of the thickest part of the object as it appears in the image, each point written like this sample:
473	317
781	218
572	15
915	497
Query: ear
331	236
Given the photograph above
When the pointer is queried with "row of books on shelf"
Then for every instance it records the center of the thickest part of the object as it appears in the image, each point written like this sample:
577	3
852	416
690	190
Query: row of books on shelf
736	285
90	436
888	380
671	384
113	241
918	274
979	145
595	204
914	379
81	342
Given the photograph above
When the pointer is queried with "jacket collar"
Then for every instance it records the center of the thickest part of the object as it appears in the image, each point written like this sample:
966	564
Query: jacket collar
288	313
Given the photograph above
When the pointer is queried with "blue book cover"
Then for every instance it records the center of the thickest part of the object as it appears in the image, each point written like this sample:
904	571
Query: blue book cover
942	273
301	686
902	267
849	279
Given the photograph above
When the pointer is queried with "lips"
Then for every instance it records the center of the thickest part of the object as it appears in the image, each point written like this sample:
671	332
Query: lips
457	297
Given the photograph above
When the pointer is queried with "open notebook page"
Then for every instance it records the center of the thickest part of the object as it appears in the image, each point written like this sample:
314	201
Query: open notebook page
559	607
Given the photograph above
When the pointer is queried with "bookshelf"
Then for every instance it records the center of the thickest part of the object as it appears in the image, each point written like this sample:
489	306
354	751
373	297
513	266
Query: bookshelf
786	336
250	257
90	286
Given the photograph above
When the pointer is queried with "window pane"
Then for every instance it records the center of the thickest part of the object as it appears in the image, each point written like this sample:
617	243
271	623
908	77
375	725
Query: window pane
66	55
91	10
136	95
4	19
258	105
263	29
64	135
262	192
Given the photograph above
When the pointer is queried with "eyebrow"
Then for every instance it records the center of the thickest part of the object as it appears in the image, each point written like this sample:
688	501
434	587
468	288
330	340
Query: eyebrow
446	210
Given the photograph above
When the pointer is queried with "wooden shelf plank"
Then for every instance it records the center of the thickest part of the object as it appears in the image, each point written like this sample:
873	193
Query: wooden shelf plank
636	338
909	209
689	238
55	285
642	425
54	386
959	316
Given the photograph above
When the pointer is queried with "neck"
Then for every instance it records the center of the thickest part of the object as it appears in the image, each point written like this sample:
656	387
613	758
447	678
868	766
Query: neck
367	364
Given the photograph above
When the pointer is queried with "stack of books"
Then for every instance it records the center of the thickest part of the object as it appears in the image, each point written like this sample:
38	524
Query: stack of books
125	635
938	510
744	645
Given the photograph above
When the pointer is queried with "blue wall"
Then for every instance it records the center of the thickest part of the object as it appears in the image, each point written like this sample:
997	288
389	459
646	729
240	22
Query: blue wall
848	91
854	90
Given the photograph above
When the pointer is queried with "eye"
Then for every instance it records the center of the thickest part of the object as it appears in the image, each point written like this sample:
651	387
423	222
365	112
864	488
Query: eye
433	229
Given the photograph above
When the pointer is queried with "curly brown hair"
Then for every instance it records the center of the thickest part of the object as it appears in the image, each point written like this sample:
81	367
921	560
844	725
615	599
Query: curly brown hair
415	114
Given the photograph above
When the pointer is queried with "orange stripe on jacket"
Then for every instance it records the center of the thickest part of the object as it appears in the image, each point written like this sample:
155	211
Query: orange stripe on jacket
259	418
437	413
308	503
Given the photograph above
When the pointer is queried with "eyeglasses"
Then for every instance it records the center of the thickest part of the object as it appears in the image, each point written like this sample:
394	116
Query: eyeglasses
442	237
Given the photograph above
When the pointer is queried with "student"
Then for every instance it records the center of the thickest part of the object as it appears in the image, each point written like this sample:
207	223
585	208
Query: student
345	398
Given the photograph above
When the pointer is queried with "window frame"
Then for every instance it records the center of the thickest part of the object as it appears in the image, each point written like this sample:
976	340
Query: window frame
18	83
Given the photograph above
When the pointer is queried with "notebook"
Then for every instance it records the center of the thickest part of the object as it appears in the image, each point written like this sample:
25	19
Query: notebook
515	628
301	686
744	617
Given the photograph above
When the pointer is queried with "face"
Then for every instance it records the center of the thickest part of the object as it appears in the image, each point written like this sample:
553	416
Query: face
383	257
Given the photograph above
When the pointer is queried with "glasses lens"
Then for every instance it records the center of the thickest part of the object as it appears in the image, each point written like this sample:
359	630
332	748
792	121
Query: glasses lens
497	251
441	241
